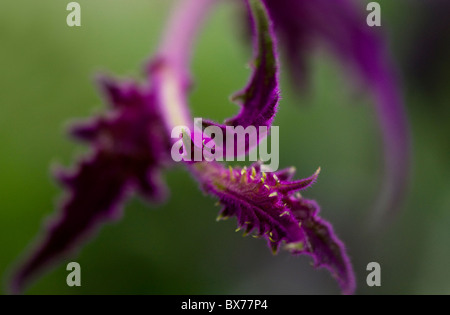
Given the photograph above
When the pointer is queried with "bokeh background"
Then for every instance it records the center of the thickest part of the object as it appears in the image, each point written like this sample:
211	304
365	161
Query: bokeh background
46	80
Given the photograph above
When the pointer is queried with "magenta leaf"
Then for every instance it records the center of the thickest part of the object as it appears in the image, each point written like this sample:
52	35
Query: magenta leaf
129	150
259	100
271	208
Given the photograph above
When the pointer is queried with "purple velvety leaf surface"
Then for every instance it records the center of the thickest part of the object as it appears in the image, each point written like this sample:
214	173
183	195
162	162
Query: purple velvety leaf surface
269	206
128	151
259	99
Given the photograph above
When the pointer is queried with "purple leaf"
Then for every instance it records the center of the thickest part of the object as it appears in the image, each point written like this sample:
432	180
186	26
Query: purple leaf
341	26
259	100
322	243
271	208
129	148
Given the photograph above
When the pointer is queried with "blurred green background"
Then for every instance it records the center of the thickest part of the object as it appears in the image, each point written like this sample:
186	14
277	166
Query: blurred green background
46	80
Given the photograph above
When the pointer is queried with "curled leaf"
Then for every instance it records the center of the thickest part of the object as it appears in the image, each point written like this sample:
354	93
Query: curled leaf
340	25
259	100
